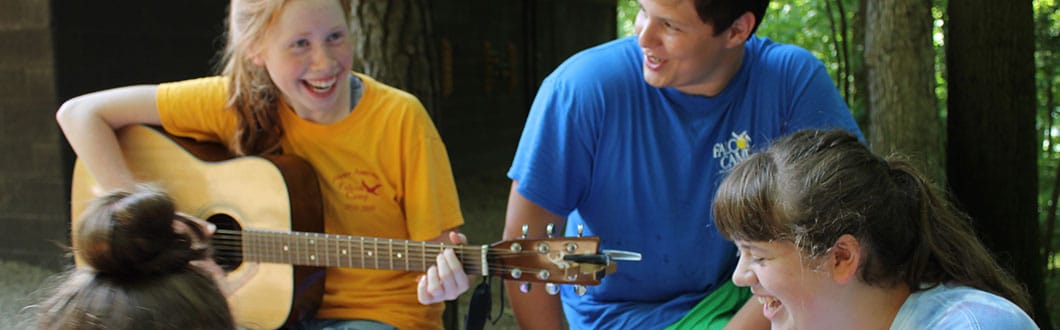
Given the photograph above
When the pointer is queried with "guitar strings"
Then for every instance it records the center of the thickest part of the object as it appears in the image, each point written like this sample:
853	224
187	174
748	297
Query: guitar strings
229	243
234	238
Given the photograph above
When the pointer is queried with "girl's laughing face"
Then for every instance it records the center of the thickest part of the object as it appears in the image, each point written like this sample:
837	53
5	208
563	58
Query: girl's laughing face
308	53
791	288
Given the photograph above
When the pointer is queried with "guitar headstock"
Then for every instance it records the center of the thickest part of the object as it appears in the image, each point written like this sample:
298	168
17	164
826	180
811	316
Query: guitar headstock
560	260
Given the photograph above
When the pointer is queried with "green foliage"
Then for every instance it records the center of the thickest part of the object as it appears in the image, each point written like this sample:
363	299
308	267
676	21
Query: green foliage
825	28
1047	44
804	23
627	12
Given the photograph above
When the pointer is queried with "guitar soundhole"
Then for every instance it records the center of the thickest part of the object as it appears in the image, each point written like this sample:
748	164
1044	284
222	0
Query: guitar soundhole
227	242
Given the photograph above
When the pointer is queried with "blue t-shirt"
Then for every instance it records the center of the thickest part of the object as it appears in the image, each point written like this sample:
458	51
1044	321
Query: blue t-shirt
960	307
639	165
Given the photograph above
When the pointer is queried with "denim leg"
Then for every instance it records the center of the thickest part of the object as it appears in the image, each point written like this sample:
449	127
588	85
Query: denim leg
335	324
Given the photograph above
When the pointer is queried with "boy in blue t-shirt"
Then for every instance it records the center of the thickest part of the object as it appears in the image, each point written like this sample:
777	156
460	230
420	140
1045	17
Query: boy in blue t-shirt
630	140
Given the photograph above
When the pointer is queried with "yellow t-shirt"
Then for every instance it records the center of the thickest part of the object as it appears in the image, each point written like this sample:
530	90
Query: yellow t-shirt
383	172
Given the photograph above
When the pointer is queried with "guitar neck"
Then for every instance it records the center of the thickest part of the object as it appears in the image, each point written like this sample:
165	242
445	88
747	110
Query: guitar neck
329	250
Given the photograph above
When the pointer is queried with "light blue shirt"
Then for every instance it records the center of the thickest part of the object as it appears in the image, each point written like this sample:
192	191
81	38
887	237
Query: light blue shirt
960	307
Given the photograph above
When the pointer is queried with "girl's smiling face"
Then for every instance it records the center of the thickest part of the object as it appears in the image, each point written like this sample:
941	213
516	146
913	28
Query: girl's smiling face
308	53
790	287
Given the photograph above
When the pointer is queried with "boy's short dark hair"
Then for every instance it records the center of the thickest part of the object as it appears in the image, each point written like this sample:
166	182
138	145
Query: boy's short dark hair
721	13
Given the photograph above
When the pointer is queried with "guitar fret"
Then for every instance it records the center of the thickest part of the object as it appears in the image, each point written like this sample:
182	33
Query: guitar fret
253	244
305	250
291	250
375	249
289	247
328	252
323	251
362	253
322	239
308	250
245	243
284	249
315	256
390	252
407	255
423	254
338	251
349	257
344	245
299	249
276	245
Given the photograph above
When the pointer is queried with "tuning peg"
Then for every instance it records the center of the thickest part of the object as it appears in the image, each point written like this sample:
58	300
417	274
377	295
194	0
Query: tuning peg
551	289
549	229
572	247
621	255
524	287
526	228
580	290
581	229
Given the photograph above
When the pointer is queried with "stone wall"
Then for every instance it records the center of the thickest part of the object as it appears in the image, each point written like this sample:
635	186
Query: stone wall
32	216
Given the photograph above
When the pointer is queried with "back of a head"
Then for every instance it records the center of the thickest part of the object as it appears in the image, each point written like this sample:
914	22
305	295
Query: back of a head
131	233
137	273
89	300
814	186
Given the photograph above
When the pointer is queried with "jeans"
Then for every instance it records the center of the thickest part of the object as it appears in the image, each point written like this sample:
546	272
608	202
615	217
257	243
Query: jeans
335	324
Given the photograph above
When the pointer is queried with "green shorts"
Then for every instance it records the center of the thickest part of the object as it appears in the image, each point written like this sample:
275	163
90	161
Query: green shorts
715	311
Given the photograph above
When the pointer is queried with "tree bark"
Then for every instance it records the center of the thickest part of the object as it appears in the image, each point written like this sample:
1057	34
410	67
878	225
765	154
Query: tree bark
993	143
392	42
899	58
861	93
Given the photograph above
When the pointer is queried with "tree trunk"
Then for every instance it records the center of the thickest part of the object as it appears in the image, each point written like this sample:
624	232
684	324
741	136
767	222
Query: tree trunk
992	137
862	93
392	43
899	58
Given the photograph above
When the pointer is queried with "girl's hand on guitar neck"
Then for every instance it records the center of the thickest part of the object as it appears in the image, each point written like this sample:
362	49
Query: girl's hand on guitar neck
446	280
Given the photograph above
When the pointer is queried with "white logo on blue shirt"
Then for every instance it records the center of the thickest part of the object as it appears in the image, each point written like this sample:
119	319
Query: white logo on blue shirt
731	152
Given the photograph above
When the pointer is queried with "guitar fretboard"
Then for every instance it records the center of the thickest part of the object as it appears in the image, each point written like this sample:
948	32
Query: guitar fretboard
328	250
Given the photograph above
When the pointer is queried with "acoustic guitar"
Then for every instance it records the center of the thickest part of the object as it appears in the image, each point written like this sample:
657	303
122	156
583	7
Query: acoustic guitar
268	210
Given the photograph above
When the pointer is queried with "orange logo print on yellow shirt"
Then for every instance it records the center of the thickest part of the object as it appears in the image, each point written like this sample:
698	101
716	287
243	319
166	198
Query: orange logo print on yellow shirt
359	188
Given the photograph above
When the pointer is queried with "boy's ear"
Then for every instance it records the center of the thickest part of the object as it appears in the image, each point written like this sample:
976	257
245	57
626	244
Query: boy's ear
740	29
845	259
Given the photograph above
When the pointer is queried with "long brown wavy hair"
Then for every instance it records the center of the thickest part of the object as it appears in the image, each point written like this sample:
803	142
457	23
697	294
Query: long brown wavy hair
814	186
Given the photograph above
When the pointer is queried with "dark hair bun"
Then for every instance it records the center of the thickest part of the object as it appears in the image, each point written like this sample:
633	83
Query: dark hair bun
131	234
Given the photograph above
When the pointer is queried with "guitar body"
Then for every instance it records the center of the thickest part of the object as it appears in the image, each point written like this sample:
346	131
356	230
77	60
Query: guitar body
272	193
